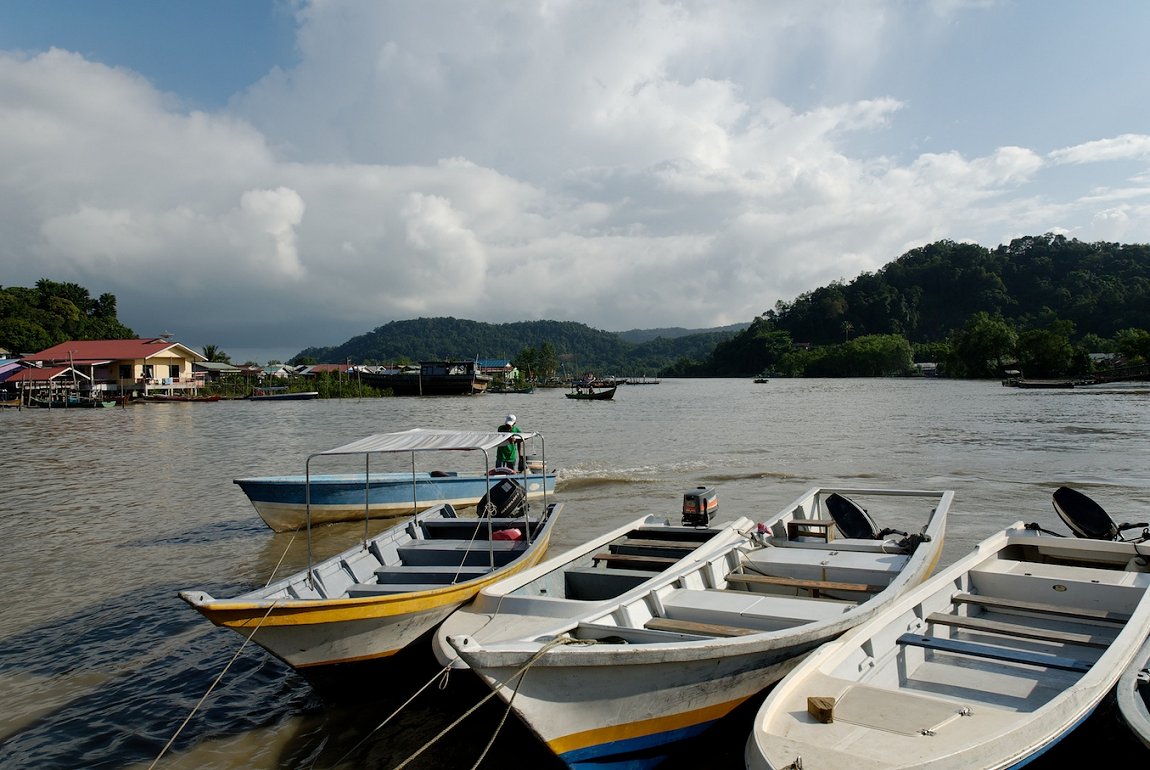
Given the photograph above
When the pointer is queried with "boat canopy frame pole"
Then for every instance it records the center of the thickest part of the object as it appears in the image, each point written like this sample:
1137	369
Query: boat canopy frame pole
307	510
366	496
415	495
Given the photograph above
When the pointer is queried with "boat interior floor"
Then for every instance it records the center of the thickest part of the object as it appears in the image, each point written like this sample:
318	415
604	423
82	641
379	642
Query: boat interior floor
740	593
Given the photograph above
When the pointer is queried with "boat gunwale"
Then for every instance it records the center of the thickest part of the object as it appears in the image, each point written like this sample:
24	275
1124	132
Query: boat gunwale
510	654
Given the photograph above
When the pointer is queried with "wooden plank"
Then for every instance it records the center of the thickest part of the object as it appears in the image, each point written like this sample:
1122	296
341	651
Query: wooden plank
994	653
624	558
818	528
1017	630
678	545
814	586
998	603
700	629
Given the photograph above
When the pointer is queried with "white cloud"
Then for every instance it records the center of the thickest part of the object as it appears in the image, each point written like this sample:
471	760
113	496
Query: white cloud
623	164
1125	147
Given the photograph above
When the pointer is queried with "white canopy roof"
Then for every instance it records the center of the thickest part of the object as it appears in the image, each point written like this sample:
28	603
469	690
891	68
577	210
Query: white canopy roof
425	440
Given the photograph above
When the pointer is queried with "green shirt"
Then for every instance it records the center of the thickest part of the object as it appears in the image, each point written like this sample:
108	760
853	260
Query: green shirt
508	454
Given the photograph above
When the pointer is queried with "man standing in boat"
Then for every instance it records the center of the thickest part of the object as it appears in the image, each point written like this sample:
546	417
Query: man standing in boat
508	455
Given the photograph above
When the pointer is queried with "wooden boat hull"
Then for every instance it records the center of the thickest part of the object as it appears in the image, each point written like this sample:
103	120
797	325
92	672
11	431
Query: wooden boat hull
626	680
343	627
281	501
987	665
598	395
306	395
162	399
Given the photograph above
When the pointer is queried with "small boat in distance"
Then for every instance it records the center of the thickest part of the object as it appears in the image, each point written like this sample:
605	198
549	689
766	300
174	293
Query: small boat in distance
160	398
986	665
589	387
375	598
588	393
282	393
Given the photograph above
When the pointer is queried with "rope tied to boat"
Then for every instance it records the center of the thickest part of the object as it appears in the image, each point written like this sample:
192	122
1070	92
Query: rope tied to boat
1035	526
442	674
283	556
211	687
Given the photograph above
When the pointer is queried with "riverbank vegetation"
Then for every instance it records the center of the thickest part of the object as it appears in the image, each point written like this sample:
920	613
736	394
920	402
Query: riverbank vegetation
1048	306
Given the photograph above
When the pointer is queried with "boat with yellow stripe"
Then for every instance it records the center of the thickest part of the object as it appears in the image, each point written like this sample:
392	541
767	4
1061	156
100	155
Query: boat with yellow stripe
377	597
611	667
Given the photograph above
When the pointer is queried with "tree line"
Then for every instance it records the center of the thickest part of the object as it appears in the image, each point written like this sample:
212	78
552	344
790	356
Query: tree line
1040	304
33	319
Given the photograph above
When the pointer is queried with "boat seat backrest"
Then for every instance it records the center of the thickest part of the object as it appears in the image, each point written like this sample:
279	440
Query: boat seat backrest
851	566
601	583
1061	584
361	566
456	529
456	552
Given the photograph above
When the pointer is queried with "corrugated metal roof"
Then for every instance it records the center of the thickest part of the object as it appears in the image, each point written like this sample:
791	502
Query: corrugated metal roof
41	374
111	350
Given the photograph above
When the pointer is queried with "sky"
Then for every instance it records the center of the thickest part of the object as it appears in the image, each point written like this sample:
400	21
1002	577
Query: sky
269	175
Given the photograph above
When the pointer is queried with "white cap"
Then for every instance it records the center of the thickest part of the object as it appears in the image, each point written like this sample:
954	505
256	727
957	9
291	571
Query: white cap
510	420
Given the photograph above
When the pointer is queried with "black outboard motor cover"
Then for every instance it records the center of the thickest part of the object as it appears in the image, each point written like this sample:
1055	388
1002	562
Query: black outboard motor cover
506	499
851	520
1085	517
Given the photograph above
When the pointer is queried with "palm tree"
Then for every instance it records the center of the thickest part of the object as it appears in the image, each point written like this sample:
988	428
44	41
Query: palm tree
214	354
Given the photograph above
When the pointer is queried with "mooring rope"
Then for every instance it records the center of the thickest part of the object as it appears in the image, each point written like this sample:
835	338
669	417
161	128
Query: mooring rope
204	697
444	673
283	556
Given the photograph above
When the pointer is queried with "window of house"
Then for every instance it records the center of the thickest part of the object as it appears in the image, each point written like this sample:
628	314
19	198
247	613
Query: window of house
147	370
125	371
174	371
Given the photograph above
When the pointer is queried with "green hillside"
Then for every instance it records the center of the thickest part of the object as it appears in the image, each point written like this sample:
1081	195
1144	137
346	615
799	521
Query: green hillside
1041	304
578	347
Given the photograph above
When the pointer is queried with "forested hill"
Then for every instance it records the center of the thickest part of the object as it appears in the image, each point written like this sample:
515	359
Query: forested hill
932	291
1040	303
579	347
928	296
33	319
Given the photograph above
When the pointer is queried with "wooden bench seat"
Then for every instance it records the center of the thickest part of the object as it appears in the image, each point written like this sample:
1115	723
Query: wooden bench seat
1058	610
814	586
697	629
1019	631
678	545
635	560
991	652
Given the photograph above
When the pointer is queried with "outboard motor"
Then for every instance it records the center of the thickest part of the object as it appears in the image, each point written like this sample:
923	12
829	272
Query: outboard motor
699	506
506	499
1088	519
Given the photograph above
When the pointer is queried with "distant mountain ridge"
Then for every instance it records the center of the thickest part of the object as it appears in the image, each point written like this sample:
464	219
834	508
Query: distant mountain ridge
579	346
674	332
